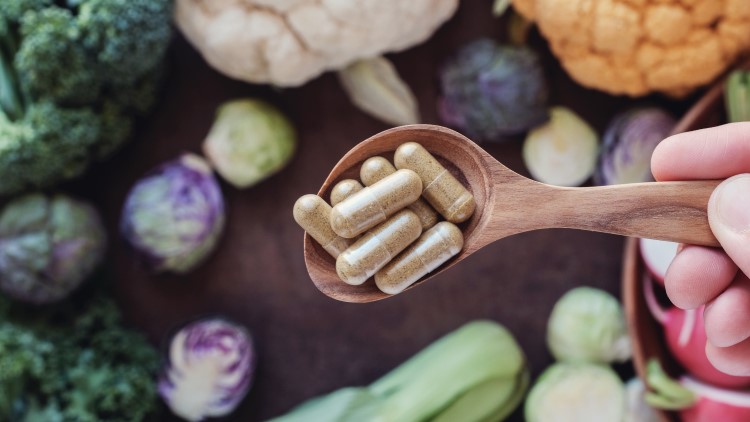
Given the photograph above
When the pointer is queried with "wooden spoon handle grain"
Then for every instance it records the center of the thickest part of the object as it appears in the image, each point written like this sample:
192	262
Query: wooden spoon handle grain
673	211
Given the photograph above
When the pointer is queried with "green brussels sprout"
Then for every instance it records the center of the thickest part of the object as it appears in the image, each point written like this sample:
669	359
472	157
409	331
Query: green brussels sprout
48	247
174	216
576	392
249	141
588	325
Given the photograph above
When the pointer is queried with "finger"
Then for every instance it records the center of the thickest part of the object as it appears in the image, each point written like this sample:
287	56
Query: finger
729	218
727	318
734	360
713	153
697	275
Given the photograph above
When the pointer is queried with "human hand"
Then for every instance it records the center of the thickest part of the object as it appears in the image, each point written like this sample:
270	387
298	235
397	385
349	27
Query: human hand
715	277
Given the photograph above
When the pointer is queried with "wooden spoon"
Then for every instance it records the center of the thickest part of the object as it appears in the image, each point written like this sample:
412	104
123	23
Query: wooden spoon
508	203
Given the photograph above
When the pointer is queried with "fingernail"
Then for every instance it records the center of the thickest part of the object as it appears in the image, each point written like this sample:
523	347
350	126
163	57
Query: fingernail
733	203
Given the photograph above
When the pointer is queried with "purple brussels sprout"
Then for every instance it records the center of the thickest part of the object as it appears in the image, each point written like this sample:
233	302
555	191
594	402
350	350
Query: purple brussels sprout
491	91
209	371
628	143
175	215
48	247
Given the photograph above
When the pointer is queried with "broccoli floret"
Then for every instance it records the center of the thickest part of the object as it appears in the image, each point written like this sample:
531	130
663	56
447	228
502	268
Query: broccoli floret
49	143
108	27
73	77
14	9
75	362
51	37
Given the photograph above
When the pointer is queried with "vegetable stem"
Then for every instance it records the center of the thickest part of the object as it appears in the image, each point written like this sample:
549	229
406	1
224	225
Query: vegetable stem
10	102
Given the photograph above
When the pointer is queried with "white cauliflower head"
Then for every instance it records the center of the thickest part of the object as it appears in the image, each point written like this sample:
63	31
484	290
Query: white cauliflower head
288	42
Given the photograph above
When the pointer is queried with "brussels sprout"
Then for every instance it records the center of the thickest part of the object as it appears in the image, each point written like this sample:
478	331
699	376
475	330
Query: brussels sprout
629	142
249	141
563	151
175	215
576	392
491	91
48	247
209	371
588	325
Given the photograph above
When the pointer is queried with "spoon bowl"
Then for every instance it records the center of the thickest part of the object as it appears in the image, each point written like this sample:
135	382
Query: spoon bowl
508	203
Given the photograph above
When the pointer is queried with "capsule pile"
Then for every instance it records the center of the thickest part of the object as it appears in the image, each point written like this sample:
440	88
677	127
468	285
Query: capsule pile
390	228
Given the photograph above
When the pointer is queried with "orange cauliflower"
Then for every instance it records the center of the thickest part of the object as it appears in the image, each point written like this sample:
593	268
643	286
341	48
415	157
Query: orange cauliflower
635	47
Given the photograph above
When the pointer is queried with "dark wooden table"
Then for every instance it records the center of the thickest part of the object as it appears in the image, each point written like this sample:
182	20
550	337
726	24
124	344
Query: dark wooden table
308	344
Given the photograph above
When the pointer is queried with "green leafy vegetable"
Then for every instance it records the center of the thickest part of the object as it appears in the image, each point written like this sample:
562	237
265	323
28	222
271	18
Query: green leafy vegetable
74	362
737	96
73	76
476	373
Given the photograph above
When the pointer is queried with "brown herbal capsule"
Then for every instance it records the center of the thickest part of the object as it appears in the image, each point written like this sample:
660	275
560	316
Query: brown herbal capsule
377	247
313	214
449	197
430	251
374	204
376	168
344	189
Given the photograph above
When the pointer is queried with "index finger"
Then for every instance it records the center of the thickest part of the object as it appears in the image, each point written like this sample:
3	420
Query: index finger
713	153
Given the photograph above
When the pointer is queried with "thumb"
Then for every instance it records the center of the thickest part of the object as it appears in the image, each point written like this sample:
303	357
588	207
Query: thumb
729	218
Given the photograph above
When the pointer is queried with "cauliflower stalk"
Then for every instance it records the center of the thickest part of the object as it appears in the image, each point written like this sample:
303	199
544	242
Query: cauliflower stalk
635	47
289	42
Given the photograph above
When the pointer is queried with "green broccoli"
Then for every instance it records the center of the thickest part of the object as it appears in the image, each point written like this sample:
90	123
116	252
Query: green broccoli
73	77
74	362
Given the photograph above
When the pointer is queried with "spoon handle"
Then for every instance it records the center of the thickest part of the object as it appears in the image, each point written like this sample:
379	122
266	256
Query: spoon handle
673	211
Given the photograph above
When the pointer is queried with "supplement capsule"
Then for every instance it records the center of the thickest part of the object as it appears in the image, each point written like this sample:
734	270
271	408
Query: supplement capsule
313	214
376	168
344	189
374	204
433	248
377	247
449	197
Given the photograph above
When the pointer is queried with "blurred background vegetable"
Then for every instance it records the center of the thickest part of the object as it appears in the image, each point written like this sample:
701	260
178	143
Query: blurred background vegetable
635	48
313	34
249	141
492	91
290	43
588	325
173	217
476	373
628	143
637	408
737	96
375	87
209	371
74	361
562	151
48	247
73	76
576	392
694	400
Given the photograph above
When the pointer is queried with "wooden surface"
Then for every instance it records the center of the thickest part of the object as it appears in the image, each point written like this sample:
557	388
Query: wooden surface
307	343
509	204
